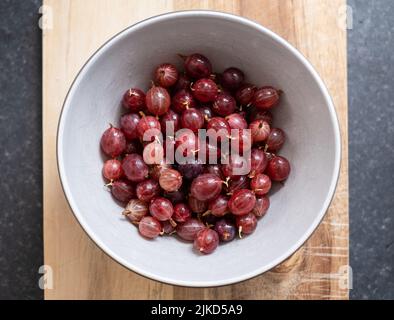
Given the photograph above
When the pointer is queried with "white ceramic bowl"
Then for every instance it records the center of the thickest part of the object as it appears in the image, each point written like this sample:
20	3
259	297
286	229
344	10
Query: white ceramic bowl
306	113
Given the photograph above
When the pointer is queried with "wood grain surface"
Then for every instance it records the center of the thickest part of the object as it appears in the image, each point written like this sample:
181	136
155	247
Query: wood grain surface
74	30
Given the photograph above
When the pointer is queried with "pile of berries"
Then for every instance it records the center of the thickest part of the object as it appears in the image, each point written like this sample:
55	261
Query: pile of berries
198	200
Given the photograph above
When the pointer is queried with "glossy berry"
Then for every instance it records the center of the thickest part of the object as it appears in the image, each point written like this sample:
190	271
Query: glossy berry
197	66
161	208
232	78
219	123
259	130
135	210
208	193
158	100
183	82
275	140
258	162
112	169
197	206
206	241
156	170
134	100
206	112
148	123
260	184
246	224
224	104
226	230
242	114
166	75
278	168
265	98
189	229
182	100
245	93
261	207
182	213
128	124
150	227
147	190
242	202
171	118
238	183
113	142
205	90
192	119
236	121
191	169
170	180
218	206
168	227
135	168
220	127
122	190
206	187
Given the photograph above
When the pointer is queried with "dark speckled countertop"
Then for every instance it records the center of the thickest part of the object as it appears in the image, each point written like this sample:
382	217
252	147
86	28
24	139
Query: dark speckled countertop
371	131
371	138
21	250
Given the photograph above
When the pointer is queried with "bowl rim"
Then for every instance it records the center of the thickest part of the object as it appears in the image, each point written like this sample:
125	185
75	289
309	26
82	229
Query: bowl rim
224	16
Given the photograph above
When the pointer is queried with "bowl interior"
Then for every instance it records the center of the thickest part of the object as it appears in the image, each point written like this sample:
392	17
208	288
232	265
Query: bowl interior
305	113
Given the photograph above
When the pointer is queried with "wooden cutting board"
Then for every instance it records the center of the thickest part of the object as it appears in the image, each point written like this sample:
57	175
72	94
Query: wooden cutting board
72	31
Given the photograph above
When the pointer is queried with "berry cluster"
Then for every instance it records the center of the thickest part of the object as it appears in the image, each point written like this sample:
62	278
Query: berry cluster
198	201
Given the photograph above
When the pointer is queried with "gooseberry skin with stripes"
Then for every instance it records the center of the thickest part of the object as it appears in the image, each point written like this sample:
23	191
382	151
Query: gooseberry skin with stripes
204	203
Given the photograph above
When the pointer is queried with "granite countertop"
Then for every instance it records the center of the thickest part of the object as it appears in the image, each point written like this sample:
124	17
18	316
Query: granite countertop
371	162
21	249
371	155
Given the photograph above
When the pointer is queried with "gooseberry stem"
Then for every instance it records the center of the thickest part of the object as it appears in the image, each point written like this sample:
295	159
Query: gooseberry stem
109	184
208	212
173	223
226	181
